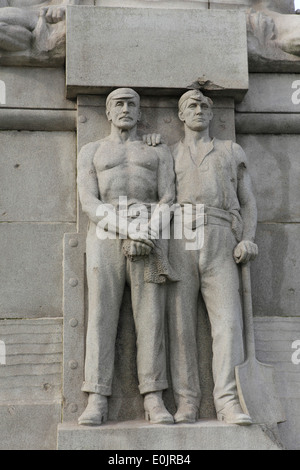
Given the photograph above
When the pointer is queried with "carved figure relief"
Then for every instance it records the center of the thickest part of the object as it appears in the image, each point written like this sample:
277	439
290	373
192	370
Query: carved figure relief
273	36
33	31
123	166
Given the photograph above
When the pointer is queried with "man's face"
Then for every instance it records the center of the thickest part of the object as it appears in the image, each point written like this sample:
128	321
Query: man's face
196	114
124	113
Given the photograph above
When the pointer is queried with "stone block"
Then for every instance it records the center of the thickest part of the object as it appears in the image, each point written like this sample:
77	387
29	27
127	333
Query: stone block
38	177
230	4
274	338
199	4
139	435
275	169
270	93
267	123
276	271
33	368
203	42
31	270
35	87
29	426
38	119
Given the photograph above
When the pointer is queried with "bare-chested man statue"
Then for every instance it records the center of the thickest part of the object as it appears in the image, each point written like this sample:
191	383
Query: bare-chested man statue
19	18
121	165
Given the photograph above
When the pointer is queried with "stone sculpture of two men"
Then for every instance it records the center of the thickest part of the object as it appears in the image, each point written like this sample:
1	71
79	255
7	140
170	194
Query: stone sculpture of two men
209	172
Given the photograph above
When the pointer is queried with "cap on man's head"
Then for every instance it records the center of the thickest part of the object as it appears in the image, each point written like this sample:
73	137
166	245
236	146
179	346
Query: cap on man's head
195	95
122	93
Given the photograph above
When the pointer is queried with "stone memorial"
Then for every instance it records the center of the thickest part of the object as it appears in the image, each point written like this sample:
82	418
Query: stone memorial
149	165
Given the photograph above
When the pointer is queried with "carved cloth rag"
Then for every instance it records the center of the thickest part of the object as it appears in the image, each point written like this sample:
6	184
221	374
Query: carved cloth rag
157	268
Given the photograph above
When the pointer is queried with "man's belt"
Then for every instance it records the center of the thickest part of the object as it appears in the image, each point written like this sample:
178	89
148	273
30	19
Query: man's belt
206	216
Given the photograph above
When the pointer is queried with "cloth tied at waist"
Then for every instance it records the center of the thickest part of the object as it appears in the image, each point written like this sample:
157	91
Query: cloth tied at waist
204	215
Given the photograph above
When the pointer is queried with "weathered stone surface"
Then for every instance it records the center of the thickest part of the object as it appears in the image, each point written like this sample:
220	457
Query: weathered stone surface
33	368
35	87
274	339
155	36
275	169
29	426
271	93
199	4
31	270
38	177
260	123
276	271
229	4
37	119
137	435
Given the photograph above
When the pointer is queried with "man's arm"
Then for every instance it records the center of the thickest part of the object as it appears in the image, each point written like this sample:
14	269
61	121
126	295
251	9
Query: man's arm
87	181
246	250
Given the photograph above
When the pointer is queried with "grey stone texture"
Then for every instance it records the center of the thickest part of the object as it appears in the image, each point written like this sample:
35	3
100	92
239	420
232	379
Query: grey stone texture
29	426
152	35
33	361
31	271
274	339
29	170
38	205
204	435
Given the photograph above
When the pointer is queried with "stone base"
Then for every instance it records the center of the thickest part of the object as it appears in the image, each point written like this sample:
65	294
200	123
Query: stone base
139	435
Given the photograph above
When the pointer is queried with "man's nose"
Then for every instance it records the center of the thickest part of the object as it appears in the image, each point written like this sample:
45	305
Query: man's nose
125	108
199	109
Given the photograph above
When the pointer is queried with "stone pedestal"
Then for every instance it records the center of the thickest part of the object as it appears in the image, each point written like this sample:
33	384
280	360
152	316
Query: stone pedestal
139	435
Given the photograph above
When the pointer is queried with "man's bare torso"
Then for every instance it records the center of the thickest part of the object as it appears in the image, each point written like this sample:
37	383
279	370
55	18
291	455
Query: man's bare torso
126	169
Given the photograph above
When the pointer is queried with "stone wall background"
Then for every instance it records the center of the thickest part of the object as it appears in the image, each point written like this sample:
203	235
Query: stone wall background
267	126
37	206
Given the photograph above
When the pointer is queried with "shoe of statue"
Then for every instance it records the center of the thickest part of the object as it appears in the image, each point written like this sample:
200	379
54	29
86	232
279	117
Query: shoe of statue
234	414
155	410
96	411
187	412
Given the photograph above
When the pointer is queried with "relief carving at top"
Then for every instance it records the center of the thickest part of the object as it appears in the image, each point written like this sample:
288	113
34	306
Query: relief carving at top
273	38
32	32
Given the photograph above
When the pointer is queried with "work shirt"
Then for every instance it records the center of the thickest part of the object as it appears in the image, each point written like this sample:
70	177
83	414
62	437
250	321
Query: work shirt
212	178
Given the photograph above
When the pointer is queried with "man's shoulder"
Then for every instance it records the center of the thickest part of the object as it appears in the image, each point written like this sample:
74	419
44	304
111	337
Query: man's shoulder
232	147
93	146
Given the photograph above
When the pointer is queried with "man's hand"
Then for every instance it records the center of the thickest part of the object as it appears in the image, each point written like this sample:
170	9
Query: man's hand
152	139
54	14
245	251
138	248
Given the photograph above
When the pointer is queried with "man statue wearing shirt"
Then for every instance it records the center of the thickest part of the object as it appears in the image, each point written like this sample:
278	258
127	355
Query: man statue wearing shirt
213	173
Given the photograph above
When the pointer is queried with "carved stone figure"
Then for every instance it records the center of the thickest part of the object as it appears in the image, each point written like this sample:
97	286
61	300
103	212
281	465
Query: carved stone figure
214	173
273	33
122	165
32	29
